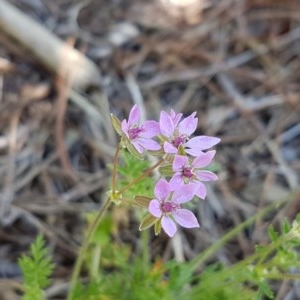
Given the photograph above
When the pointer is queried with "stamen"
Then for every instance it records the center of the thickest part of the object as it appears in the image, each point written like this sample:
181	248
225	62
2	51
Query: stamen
134	133
178	141
168	207
188	173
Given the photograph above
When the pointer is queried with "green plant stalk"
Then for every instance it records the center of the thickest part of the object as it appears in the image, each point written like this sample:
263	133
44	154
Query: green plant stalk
252	259
114	174
145	249
93	226
226	274
84	248
282	276
144	174
99	216
95	262
199	260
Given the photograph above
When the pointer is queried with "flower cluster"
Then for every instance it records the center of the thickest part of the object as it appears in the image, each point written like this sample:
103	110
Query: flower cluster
184	154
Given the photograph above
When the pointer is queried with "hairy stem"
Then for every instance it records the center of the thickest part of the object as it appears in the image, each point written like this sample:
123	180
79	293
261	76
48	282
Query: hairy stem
145	249
114	174
84	248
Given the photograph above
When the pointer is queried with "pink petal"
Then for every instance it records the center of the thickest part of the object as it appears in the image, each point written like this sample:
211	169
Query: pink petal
148	144
206	176
204	159
137	146
185	218
134	116
202	142
169	148
162	189
150	129
176	180
175	117
188	125
169	226
194	152
179	163
201	191
154	208
124	126
184	193
166	124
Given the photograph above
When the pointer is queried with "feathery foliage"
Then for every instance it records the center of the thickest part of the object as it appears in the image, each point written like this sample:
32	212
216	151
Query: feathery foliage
37	269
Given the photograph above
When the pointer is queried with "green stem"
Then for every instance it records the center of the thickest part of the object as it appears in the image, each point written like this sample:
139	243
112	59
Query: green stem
145	249
199	260
84	248
282	276
114	174
255	260
146	173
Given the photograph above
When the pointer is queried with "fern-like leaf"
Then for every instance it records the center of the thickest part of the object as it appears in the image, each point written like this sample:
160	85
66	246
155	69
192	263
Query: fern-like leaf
37	269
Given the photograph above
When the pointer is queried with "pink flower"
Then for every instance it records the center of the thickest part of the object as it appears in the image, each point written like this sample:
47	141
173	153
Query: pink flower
140	135
178	135
186	172
166	206
175	117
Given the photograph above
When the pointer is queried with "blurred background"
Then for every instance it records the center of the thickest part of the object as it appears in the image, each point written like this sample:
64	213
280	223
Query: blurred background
65	65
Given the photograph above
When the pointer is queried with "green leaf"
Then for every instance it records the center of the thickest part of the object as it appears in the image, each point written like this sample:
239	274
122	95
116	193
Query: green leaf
166	170
273	234
142	201
264	289
116	124
131	168
157	228
157	152
147	222
102	233
37	269
285	226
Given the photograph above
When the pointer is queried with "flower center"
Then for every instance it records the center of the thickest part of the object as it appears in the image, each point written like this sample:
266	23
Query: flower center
187	173
178	141
134	132
168	207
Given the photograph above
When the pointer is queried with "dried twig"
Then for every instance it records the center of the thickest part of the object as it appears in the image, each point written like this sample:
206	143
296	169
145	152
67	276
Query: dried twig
19	32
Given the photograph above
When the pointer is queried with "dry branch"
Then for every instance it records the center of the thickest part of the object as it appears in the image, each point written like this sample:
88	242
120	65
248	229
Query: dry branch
21	34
